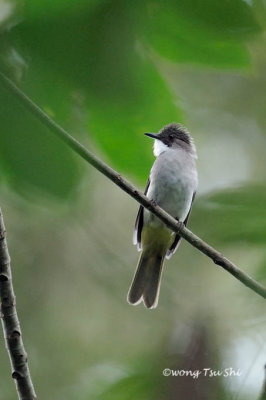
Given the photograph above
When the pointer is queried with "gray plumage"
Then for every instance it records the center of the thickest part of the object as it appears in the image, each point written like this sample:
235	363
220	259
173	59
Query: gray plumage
172	185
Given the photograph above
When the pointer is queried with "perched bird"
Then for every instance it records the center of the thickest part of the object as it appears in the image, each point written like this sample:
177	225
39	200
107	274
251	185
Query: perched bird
171	185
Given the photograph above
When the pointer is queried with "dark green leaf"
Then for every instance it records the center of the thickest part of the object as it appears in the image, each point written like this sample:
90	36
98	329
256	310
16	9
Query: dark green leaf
210	33
31	157
230	216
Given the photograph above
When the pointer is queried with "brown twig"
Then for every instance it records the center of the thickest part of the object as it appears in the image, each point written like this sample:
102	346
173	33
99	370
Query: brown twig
10	323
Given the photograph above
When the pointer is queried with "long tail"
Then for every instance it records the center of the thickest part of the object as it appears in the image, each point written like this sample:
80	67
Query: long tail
146	282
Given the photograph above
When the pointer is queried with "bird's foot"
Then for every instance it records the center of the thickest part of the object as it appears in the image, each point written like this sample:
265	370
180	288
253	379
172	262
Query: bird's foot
181	223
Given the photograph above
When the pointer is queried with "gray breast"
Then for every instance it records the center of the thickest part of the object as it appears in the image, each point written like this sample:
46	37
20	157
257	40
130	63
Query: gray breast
173	181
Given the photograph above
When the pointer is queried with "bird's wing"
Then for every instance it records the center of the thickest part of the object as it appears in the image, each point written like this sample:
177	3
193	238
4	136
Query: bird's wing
174	246
139	222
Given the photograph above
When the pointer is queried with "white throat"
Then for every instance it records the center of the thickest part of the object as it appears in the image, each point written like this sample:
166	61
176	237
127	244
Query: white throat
159	147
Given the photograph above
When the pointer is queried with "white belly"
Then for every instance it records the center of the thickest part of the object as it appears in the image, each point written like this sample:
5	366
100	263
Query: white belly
173	180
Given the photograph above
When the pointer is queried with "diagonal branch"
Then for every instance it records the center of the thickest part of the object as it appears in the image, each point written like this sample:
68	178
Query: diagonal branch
125	185
10	323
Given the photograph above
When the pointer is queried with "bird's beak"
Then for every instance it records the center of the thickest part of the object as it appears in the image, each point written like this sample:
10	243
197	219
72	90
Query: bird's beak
152	135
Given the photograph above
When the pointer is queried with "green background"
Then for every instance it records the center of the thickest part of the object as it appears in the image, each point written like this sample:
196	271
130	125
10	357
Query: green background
108	71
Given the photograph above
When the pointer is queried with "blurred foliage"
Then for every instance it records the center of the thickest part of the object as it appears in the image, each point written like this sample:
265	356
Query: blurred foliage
198	351
220	29
238	212
31	157
108	72
104	52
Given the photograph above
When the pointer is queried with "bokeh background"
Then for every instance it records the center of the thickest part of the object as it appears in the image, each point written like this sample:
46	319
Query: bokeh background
108	71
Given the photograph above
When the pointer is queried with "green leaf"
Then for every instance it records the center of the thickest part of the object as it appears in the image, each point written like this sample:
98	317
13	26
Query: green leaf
98	50
123	92
210	32
39	9
232	216
32	159
119	126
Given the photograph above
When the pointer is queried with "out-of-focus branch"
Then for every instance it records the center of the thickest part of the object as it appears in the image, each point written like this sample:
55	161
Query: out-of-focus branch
176	226
10	323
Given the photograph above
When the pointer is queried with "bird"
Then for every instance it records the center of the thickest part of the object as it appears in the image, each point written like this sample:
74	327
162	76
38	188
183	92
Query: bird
172	185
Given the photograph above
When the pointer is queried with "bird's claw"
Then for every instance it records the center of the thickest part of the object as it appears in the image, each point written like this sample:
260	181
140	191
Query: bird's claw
181	223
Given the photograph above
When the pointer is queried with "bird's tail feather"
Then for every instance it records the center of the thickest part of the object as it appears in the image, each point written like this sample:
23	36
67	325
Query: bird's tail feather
147	280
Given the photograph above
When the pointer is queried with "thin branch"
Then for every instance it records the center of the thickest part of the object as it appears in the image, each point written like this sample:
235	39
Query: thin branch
177	227
10	323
